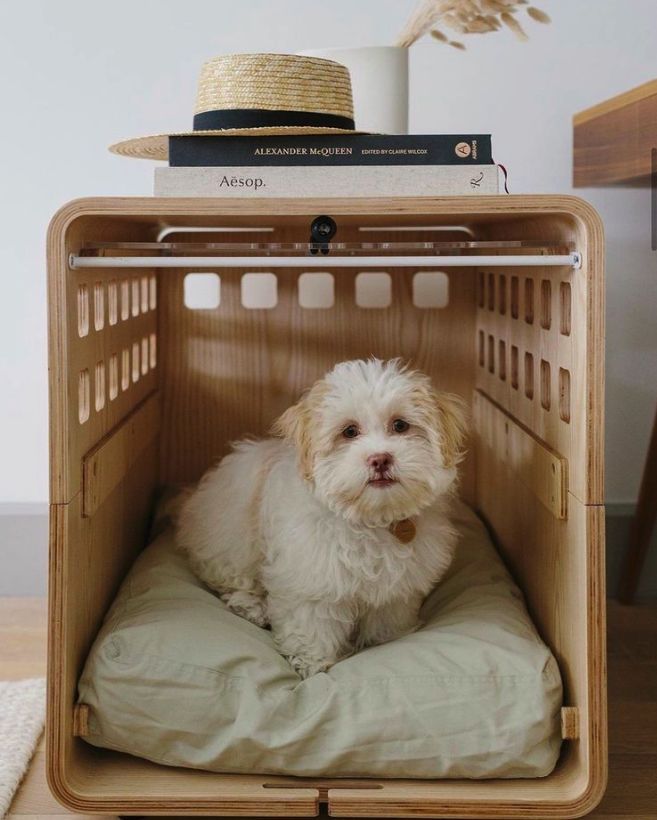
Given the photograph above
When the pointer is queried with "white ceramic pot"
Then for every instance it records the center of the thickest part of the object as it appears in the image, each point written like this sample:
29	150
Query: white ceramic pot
379	80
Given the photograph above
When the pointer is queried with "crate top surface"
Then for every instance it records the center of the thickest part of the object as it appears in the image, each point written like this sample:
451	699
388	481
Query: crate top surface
451	210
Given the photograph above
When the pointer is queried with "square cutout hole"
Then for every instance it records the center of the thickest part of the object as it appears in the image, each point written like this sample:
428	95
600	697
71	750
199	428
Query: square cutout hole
202	291
259	291
316	290
373	290
431	289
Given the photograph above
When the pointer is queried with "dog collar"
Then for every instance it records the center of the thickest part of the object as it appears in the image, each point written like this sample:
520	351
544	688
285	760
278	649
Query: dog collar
403	530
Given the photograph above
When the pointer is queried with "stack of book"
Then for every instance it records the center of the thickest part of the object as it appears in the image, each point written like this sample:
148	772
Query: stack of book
366	165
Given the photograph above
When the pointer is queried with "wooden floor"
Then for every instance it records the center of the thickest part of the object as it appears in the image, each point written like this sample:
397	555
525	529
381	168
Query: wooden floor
632	791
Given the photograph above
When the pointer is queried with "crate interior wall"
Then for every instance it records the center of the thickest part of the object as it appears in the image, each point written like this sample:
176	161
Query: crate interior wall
146	392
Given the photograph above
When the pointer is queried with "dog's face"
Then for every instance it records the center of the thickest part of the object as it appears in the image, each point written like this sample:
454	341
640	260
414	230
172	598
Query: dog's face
378	443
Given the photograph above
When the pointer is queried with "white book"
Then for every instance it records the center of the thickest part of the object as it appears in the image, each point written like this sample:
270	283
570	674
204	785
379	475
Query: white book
328	181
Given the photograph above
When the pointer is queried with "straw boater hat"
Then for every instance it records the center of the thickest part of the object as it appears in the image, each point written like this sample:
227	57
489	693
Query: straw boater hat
264	95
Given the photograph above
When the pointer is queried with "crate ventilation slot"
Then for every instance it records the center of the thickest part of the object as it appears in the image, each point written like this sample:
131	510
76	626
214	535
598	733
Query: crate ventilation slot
297	254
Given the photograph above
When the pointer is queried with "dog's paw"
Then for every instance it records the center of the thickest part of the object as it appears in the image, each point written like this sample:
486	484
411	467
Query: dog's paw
247	605
306	668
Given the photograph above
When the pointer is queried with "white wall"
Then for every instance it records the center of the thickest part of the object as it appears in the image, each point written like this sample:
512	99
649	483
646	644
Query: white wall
76	75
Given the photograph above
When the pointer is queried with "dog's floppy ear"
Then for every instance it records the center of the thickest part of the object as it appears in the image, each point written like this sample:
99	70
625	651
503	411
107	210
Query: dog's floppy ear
445	414
453	423
295	426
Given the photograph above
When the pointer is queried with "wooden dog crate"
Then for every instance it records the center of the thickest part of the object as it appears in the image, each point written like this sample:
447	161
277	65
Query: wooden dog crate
146	391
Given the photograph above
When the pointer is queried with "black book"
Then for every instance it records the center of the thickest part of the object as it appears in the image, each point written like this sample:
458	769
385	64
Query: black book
331	149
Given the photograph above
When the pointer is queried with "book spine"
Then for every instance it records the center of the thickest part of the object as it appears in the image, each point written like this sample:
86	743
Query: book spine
385	181
371	149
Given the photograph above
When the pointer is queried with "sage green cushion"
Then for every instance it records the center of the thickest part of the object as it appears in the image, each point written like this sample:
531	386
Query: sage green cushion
176	678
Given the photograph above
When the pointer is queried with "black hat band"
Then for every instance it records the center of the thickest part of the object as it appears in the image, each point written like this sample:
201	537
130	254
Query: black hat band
266	118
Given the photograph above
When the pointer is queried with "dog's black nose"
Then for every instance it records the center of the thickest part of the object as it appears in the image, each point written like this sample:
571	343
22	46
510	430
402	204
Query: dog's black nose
380	461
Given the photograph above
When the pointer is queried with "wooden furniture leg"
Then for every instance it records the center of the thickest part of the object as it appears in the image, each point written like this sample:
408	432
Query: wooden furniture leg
642	525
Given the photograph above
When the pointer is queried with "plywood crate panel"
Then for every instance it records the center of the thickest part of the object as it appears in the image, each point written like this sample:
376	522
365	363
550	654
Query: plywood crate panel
147	392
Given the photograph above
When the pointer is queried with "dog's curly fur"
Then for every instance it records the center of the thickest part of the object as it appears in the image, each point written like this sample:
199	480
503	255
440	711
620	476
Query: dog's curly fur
296	531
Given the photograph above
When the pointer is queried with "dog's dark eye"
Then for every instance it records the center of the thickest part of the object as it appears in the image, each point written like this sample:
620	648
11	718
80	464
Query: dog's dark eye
400	425
351	431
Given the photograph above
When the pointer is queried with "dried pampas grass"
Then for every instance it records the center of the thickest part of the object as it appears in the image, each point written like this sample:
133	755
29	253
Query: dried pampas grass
538	15
466	17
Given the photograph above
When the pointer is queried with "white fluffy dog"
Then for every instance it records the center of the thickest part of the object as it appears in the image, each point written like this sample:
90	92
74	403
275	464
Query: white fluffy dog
335	531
